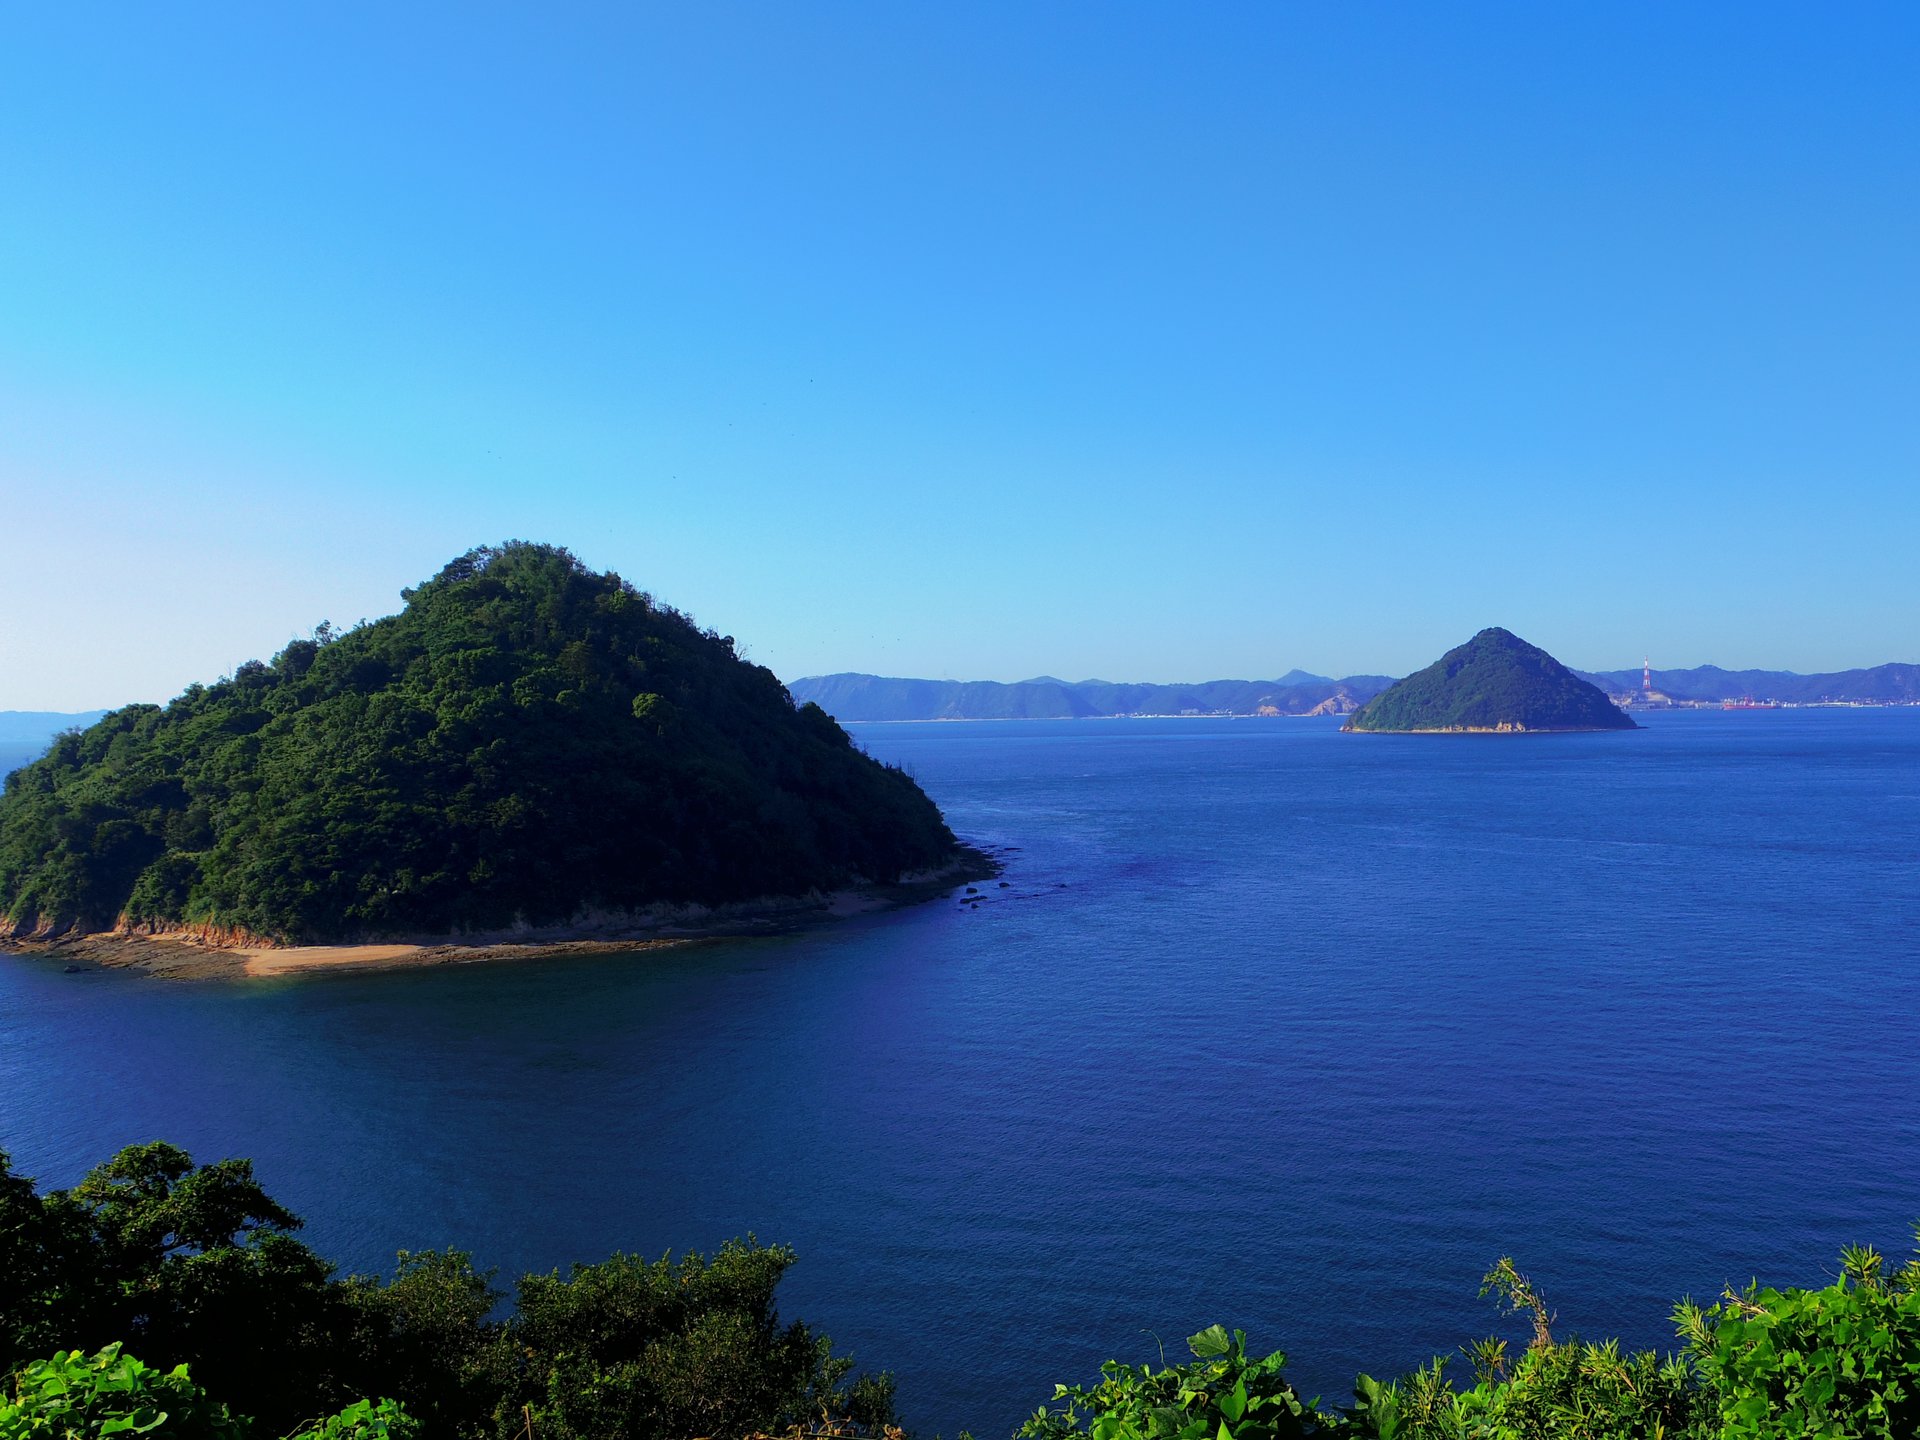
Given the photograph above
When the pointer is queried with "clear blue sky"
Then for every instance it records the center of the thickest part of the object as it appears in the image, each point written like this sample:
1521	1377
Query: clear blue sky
1143	341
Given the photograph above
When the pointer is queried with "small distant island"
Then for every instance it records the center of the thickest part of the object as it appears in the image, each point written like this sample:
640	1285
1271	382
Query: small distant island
528	752
1496	683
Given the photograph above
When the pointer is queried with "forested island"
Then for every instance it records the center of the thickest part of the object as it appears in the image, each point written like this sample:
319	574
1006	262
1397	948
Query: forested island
167	1299
1495	683
527	748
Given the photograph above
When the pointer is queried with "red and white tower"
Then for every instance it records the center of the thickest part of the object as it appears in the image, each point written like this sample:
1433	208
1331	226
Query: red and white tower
1646	674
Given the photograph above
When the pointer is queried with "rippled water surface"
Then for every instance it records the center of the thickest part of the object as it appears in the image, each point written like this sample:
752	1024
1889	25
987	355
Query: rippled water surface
1272	1025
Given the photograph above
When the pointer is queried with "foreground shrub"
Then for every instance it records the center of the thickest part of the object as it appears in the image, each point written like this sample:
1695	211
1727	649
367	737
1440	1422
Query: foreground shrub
185	1264
364	1420
1839	1363
1843	1361
1222	1395
1572	1391
75	1396
1553	1391
669	1349
195	1265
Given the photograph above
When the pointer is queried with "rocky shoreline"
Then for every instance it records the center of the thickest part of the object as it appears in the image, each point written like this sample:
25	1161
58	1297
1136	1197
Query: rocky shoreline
1509	729
191	955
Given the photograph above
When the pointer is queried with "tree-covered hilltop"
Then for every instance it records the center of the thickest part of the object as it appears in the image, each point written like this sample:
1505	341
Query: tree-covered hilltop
1496	681
527	741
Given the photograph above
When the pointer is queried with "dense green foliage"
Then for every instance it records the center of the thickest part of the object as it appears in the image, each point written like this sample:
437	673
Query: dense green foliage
197	1266
74	1396
1223	1393
1495	679
527	741
1838	1363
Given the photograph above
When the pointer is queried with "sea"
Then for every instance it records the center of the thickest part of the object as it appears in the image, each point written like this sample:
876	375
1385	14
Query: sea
1263	1024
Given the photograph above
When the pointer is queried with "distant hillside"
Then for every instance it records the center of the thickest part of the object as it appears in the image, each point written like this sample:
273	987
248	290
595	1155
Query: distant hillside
1881	685
854	697
1496	681
527	742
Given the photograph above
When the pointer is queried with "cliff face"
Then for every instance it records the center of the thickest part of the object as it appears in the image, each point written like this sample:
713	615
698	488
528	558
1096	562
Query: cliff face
1496	683
525	742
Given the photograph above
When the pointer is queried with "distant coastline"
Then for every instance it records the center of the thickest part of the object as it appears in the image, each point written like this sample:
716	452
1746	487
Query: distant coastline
1494	730
1069	719
856	697
1635	707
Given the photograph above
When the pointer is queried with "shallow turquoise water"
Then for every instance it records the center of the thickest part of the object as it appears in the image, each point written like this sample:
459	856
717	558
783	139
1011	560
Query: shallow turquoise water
1273	1026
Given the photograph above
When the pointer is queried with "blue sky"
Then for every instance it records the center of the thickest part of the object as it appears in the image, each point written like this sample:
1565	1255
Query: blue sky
1142	341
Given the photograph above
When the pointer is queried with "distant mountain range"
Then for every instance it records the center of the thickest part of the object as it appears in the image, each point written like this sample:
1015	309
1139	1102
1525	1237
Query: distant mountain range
855	697
1882	685
878	697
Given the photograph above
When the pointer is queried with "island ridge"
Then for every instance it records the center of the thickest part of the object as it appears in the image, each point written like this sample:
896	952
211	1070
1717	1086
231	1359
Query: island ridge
1496	683
528	749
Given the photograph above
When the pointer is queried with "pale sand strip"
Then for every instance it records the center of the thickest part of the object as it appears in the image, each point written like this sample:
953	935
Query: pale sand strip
315	957
291	959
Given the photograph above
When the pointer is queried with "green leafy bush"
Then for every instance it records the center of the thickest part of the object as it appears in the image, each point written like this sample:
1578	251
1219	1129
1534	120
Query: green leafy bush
1554	1391
364	1420
1843	1361
75	1396
669	1348
1571	1391
1223	1394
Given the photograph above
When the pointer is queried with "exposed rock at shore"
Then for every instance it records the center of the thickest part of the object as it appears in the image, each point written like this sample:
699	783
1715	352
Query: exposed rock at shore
187	953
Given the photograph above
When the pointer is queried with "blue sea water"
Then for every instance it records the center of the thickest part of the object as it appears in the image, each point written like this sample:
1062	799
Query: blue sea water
15	754
1272	1026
